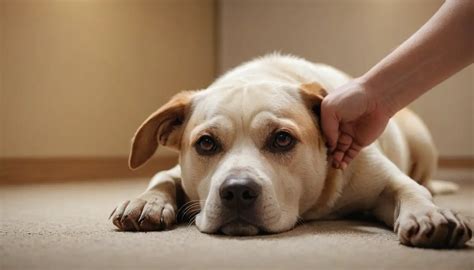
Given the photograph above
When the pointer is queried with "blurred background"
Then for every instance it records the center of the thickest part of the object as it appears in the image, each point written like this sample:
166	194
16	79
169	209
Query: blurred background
78	77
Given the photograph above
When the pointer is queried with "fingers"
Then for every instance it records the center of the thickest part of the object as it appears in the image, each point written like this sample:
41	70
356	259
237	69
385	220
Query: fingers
330	125
345	151
343	144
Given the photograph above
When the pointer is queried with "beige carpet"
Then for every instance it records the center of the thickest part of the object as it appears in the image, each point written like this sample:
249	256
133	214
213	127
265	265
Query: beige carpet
65	226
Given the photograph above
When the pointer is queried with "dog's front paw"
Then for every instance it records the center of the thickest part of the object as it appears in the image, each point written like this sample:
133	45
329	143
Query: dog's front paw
433	228
149	212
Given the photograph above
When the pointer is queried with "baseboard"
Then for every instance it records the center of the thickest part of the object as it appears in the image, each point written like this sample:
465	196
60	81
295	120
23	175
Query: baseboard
42	170
465	162
39	170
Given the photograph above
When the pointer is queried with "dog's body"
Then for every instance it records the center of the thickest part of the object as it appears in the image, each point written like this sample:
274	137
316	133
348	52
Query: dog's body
252	159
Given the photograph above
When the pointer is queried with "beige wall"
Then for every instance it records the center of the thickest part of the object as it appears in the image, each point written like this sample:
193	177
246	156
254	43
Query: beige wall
78	77
2	98
353	36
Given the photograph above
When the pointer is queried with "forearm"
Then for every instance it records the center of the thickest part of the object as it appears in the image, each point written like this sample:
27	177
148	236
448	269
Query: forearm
443	46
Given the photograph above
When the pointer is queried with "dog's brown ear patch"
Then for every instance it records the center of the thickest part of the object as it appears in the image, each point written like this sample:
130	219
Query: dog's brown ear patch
313	94
165	127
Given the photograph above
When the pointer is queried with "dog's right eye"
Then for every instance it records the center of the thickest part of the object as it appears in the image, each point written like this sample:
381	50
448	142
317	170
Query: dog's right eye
206	146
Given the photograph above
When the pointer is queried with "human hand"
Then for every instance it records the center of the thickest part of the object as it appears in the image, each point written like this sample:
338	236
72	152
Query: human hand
352	118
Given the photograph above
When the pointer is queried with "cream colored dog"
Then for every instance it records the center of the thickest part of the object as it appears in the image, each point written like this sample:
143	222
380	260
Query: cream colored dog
252	159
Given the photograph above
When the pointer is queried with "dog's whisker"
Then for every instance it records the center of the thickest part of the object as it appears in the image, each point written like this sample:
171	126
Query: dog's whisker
192	219
191	202
191	208
187	207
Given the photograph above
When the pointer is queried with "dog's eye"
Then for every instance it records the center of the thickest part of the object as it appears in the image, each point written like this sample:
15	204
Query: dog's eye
206	145
282	141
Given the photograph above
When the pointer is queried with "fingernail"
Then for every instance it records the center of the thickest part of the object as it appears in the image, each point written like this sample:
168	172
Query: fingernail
343	165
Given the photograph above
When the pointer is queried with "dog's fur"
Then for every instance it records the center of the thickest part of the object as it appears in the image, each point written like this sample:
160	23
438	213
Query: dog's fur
241	110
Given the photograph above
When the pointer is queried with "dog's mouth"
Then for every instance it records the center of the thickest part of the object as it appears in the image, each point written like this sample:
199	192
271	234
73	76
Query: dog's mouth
239	227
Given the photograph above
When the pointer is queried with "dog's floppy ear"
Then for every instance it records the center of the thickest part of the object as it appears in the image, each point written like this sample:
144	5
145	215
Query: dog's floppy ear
165	127
312	95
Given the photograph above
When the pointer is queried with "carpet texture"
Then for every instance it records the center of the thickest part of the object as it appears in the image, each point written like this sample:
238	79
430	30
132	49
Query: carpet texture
65	226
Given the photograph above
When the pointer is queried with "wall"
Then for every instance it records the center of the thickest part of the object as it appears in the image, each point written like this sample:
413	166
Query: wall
353	36
2	98
78	77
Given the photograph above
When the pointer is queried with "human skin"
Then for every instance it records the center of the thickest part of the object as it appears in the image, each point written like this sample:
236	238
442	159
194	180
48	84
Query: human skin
355	114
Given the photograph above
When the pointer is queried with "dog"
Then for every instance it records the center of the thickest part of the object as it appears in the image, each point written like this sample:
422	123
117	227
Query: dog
253	160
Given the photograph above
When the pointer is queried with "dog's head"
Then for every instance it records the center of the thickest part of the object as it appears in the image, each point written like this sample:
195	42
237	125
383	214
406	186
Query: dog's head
253	155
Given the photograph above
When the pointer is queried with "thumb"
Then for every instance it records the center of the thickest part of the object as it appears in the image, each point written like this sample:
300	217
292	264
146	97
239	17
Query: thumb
330	124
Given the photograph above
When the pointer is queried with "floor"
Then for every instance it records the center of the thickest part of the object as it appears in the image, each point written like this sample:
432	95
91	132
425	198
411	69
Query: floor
65	226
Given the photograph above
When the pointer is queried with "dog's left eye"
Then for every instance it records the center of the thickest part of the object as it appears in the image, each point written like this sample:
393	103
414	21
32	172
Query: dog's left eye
282	141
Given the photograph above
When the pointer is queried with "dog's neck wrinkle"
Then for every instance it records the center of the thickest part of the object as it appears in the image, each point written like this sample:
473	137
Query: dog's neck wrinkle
331	192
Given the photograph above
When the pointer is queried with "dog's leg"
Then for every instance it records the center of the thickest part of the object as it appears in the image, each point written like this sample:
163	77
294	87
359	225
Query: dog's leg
408	208
155	209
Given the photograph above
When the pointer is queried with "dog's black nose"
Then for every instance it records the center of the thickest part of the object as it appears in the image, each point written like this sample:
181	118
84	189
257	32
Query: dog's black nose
239	193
